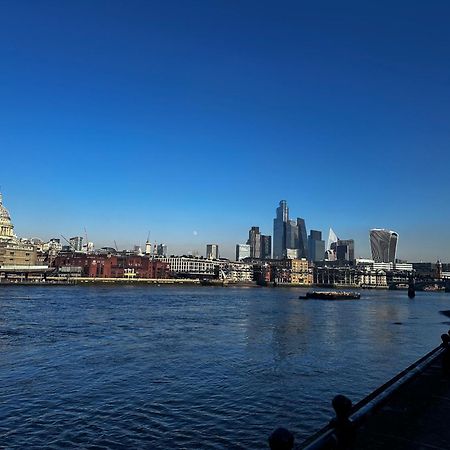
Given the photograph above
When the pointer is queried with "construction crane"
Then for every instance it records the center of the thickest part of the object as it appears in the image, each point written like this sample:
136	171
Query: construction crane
87	240
70	244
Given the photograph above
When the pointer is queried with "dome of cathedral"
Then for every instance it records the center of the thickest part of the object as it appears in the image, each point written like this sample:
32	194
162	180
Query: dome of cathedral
4	214
6	227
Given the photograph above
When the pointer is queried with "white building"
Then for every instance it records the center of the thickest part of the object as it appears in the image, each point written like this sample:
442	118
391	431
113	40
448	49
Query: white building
193	265
238	272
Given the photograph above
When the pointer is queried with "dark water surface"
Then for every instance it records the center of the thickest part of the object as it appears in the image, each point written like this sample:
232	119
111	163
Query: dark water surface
169	367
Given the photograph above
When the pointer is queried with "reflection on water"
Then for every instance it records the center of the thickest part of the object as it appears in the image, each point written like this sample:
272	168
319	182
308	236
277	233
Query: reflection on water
194	367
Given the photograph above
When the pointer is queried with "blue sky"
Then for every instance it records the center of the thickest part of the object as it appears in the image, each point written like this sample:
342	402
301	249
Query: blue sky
183	116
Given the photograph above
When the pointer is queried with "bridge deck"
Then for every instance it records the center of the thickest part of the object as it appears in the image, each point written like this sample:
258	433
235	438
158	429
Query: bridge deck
417	416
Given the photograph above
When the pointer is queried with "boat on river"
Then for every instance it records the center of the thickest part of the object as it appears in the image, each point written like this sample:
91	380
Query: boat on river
331	295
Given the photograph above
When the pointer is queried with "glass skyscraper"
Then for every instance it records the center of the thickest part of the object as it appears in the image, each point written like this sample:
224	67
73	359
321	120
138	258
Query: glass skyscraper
289	235
254	240
266	246
279	231
316	246
383	244
302	239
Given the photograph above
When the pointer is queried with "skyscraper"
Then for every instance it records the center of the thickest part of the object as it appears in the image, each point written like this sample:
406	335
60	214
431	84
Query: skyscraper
212	251
316	246
383	244
291	238
254	240
162	250
302	238
266	246
279	230
344	250
332	238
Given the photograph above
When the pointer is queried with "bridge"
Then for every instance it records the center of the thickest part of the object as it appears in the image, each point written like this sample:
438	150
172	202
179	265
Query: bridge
419	284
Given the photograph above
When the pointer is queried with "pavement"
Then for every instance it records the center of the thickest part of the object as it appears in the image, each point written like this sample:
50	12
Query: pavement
417	416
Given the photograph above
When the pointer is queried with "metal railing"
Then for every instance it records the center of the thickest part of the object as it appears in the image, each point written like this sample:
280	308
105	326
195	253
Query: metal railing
361	410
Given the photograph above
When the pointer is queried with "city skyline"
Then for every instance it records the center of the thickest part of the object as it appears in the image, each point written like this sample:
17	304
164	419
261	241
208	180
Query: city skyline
199	250
170	127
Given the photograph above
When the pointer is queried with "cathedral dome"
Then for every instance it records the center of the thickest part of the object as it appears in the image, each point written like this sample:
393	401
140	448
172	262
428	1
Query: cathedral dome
4	214
6	227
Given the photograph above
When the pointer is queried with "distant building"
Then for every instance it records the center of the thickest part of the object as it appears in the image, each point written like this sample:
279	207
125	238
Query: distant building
236	272
383	244
76	243
344	250
212	251
291	253
266	246
302	239
161	250
254	240
53	246
279	230
13	251
191	266
110	266
332	239
316	246
291	236
242	251
88	247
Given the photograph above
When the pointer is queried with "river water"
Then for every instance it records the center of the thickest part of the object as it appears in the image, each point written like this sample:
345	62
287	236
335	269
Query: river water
194	367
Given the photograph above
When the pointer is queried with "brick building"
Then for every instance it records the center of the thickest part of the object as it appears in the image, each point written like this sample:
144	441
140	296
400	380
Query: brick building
111	266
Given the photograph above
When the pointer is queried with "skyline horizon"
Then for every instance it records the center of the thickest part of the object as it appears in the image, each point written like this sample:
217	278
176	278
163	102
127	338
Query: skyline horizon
200	247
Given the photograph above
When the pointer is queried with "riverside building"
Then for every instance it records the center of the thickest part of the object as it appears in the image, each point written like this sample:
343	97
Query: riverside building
13	251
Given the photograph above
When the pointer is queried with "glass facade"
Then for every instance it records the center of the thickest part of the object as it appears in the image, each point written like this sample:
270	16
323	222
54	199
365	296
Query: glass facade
383	244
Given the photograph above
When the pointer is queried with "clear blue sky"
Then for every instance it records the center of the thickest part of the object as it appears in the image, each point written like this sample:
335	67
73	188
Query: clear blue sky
183	116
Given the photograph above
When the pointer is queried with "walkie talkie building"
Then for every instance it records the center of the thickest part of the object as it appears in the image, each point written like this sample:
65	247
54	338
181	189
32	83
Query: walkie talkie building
383	244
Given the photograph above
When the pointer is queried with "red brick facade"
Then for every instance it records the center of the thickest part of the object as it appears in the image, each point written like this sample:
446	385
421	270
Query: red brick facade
114	266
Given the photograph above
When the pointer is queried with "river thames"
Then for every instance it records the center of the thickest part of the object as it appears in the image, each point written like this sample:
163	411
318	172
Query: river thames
193	367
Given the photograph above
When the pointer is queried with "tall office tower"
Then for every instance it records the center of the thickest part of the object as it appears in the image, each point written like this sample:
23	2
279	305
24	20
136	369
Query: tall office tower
242	251
292	239
302	238
316	246
344	250
332	238
76	243
279	231
161	250
383	244
254	240
212	251
266	246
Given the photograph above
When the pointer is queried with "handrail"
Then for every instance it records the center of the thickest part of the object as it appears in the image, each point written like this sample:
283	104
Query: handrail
367	405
